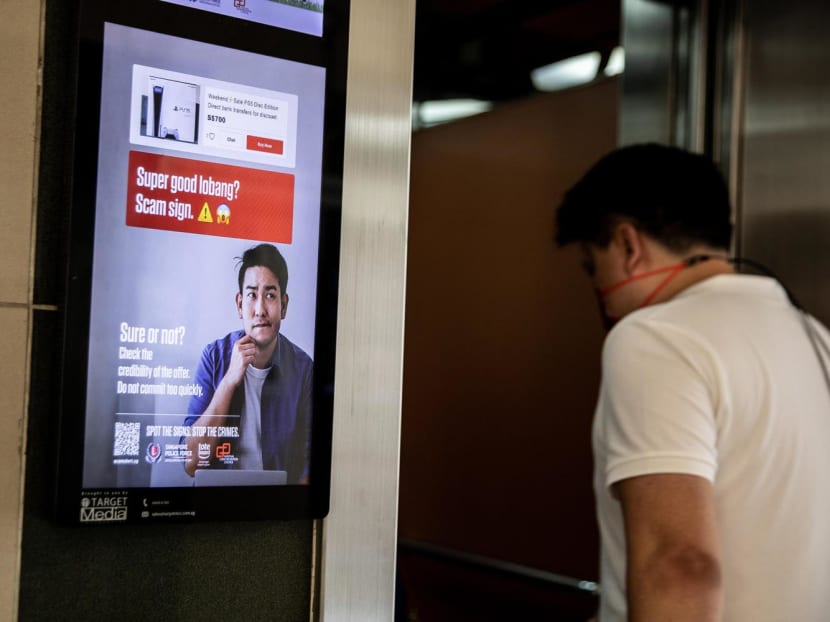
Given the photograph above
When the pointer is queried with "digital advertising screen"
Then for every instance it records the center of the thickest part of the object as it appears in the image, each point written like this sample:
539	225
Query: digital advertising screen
196	385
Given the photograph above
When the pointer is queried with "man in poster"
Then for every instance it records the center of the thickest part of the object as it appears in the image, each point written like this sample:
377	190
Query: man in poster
255	410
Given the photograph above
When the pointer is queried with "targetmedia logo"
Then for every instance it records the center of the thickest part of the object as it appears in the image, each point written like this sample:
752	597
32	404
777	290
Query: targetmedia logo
103	509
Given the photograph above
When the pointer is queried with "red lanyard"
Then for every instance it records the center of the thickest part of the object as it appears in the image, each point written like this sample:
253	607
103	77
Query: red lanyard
673	271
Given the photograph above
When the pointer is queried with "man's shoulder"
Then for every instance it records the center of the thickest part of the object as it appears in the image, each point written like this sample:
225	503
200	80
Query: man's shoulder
224	344
645	334
632	327
290	351
701	312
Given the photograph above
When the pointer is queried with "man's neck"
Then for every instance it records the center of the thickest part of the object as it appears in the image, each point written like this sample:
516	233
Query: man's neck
264	356
716	264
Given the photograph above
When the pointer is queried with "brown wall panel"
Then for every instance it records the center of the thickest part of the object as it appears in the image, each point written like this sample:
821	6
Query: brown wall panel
502	340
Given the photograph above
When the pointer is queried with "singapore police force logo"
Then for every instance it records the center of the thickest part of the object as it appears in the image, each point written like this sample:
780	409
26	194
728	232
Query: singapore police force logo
153	454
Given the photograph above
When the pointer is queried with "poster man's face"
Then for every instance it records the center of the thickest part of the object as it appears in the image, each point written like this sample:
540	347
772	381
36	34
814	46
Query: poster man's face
261	305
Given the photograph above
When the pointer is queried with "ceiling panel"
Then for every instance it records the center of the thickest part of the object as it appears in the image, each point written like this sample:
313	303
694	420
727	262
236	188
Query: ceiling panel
485	49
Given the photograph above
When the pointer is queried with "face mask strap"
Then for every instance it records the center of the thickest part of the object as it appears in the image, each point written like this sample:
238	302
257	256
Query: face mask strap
673	269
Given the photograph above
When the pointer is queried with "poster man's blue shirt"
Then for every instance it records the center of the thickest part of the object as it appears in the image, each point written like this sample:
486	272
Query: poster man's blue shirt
286	402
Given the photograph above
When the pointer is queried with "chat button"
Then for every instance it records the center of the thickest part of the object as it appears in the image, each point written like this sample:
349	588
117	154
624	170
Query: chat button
267	145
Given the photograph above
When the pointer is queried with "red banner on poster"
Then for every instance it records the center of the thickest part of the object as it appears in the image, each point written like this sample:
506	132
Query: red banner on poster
191	196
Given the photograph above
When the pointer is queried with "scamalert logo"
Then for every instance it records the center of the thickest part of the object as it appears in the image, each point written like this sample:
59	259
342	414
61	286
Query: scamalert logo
223	450
97	510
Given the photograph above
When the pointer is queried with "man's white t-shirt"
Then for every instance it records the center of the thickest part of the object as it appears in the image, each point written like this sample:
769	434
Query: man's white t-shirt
722	382
250	441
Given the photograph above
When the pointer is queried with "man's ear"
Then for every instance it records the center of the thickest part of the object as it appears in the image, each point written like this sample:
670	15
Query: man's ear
631	241
284	305
239	304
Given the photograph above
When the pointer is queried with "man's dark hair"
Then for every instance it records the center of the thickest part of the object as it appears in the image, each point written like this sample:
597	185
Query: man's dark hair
267	256
677	197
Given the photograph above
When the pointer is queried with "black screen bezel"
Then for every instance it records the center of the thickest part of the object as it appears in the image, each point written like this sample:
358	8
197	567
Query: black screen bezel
328	51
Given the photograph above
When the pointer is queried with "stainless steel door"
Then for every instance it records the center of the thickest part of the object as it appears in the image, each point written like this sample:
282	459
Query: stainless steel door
785	143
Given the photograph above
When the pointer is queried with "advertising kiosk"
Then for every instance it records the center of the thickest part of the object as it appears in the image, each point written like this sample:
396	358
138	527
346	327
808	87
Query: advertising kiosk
198	360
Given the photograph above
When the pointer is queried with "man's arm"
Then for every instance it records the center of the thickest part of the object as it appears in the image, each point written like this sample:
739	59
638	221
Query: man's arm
214	415
242	355
304	414
673	553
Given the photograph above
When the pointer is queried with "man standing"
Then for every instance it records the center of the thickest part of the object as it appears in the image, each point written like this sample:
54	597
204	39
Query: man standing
712	430
255	382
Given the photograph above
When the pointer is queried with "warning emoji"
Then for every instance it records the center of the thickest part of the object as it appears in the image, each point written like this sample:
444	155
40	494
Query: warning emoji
205	215
223	214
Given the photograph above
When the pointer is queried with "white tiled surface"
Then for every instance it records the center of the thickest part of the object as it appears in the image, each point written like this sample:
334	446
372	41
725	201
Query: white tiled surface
19	46
13	346
20	27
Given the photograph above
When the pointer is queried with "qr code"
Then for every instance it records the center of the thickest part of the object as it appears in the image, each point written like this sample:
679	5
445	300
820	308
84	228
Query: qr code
127	439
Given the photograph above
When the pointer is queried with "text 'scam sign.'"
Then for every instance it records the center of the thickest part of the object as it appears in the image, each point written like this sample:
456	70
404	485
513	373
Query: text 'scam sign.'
206	198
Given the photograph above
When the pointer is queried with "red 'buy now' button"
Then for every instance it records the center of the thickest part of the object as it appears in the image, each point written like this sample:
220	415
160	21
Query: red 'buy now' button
268	145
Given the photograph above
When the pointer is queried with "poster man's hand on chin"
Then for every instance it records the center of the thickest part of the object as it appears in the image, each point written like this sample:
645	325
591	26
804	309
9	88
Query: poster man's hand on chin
243	354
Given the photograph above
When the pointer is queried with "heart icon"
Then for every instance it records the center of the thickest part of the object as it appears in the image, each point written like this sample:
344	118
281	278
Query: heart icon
211	135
